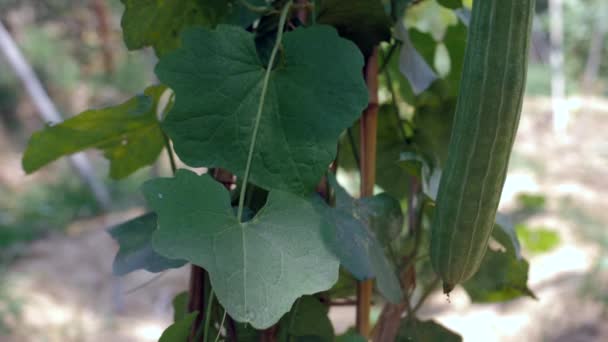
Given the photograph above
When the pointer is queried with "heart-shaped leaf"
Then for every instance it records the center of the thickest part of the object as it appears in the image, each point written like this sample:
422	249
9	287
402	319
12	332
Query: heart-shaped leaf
312	96
257	268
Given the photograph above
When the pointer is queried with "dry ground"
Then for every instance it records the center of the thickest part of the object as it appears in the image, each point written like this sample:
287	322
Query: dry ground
67	293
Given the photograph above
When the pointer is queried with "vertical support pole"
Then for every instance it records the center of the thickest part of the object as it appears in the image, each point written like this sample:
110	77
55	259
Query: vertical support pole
367	153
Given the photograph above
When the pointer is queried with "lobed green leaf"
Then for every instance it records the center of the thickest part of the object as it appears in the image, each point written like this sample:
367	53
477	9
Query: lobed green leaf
258	268
129	135
313	95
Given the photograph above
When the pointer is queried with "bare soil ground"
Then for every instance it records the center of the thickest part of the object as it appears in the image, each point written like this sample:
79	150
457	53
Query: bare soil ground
66	291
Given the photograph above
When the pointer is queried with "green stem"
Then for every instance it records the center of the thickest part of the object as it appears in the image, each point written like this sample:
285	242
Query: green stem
387	57
170	153
396	110
219	331
258	116
207	317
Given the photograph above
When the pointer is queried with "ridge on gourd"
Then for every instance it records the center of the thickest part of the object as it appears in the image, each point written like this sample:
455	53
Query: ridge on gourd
485	124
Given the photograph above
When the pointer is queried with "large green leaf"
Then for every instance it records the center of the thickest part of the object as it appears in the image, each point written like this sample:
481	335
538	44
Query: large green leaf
365	22
414	330
159	23
354	242
136	253
257	268
307	321
129	135
180	330
313	95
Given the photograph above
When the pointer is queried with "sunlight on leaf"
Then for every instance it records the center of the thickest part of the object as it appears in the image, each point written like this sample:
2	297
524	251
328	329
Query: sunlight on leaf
129	135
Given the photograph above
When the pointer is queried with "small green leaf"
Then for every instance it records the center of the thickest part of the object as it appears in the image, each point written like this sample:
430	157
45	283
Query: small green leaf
307	321
129	135
355	244
136	253
501	277
531	202
537	239
160	23
180	306
257	268
451	4
414	330
180	330
363	21
217	77
455	39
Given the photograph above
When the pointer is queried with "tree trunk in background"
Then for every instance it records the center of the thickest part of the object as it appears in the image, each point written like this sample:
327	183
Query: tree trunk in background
558	79
49	113
596	46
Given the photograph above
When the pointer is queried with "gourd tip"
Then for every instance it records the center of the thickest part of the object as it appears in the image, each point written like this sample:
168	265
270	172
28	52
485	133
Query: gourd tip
447	288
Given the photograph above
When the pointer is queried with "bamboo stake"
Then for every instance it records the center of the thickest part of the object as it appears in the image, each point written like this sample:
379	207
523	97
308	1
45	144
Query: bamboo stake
369	123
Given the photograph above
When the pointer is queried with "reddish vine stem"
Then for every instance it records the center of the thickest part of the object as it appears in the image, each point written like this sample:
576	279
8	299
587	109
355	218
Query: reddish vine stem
199	279
369	124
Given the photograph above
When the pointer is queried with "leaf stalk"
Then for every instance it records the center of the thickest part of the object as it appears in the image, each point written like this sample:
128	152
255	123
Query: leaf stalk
258	116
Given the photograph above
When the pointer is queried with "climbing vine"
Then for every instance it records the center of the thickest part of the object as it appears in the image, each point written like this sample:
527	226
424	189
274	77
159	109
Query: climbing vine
284	104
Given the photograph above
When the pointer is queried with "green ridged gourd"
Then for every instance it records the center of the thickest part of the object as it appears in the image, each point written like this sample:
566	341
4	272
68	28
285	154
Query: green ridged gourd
487	116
